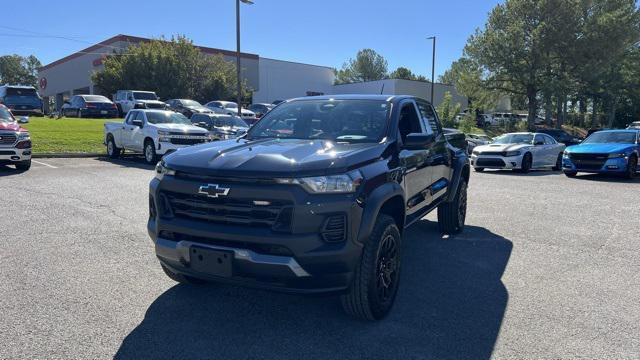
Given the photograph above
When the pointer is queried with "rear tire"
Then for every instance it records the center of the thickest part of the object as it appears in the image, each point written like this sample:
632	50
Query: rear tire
112	150
150	152
452	215
558	166
183	279
376	278
23	165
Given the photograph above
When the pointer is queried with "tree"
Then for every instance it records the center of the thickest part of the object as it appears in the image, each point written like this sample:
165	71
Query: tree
367	66
174	69
447	111
16	69
402	73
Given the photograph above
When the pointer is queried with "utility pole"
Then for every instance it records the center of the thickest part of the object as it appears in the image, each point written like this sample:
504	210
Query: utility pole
433	67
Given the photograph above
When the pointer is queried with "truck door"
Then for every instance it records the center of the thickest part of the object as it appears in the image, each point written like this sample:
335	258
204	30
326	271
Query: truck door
128	129
138	133
439	160
417	172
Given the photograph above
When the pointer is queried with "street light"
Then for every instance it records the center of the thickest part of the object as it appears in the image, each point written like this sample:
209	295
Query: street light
433	67
238	53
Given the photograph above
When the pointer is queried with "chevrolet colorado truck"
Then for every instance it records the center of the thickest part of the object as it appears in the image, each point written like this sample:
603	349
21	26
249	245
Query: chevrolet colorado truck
313	199
152	132
15	142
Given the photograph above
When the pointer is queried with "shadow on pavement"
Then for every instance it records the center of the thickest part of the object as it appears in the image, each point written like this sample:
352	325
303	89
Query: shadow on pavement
515	173
450	305
6	170
607	178
128	160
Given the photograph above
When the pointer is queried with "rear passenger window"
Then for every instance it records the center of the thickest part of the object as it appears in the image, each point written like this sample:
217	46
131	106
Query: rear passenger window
429	117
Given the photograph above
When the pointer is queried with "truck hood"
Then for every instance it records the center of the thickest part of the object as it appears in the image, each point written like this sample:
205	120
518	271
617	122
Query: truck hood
181	127
598	148
265	158
12	126
501	147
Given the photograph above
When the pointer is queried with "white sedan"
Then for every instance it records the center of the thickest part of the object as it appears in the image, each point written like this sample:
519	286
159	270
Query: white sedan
228	108
519	151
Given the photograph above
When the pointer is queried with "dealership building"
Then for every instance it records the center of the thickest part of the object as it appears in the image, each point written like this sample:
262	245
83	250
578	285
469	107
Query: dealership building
270	79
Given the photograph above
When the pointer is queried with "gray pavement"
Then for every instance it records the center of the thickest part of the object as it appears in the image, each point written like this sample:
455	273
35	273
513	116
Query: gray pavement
547	268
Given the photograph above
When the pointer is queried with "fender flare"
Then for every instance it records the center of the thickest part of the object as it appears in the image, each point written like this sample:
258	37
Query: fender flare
459	164
372	206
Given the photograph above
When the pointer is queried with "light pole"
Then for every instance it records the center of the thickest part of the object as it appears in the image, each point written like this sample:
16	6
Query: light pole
238	53
433	67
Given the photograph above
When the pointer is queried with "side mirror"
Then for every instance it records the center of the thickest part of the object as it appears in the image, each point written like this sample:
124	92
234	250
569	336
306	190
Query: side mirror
137	123
23	120
418	141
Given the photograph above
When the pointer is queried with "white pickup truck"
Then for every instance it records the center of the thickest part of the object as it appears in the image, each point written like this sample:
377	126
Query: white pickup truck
152	132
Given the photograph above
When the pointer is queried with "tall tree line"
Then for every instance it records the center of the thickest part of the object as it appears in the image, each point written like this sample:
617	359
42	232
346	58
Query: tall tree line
559	56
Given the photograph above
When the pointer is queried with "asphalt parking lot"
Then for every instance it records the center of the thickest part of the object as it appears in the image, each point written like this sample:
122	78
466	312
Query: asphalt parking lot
547	268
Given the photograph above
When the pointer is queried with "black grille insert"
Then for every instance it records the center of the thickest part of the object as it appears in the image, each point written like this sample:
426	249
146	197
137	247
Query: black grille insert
490	162
7	139
589	161
335	229
268	249
227	210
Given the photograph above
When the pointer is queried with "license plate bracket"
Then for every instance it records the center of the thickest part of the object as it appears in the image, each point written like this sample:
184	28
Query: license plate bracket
210	261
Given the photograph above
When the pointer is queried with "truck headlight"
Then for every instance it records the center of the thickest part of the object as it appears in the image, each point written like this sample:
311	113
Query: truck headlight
512	153
163	136
23	136
332	184
162	170
618	155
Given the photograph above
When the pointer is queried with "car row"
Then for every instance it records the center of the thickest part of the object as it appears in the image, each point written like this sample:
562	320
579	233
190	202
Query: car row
21	100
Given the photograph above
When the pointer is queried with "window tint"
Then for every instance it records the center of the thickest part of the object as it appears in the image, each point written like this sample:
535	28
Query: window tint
409	121
130	116
429	117
549	140
538	139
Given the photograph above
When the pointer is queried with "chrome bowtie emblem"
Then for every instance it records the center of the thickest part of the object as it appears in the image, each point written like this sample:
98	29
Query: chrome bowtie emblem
213	190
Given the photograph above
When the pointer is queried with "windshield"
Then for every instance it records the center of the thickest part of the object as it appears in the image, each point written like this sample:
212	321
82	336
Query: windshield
514	139
139	95
95	98
617	137
167	117
190	103
5	116
231	105
230	121
336	120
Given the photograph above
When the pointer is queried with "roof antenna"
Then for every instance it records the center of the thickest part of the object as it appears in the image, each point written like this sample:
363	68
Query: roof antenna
381	90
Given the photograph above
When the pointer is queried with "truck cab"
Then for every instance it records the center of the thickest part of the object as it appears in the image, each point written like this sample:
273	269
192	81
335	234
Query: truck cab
126	100
15	142
313	199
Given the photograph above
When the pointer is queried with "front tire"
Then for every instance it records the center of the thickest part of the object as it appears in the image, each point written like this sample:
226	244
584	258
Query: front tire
558	166
527	161
150	155
452	215
377	276
23	165
632	167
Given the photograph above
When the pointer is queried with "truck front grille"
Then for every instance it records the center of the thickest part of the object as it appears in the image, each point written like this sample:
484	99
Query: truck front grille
183	141
7	138
154	106
589	161
224	210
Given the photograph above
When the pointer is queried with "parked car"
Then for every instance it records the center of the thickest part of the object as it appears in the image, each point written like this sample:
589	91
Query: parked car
561	136
21	100
260	109
474	140
152	132
15	141
519	151
229	108
480	137
456	138
605	151
485	120
135	99
634	125
188	107
319	208
92	106
221	127
594	130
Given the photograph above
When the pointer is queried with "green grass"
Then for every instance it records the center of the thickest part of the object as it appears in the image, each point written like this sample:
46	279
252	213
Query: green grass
67	135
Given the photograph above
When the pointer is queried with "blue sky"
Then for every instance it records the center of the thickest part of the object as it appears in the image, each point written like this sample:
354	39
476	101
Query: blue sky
326	32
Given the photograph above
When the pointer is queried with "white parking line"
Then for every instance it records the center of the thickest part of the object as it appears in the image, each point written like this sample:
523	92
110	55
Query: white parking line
45	164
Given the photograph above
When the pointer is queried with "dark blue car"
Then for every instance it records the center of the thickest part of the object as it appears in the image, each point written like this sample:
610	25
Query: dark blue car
607	151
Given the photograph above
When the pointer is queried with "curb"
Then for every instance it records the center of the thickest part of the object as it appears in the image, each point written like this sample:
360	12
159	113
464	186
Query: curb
67	155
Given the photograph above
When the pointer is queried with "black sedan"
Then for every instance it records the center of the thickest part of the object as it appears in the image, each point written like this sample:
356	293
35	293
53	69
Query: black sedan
188	107
561	136
89	106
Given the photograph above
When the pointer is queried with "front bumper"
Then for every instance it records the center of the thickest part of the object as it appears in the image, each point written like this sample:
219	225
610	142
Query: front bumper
496	161
304	263
610	166
165	147
12	155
